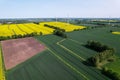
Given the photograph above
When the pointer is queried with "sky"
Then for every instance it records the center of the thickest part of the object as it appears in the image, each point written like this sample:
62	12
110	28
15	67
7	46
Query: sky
59	8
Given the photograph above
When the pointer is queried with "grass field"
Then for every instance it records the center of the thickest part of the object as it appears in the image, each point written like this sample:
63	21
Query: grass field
114	66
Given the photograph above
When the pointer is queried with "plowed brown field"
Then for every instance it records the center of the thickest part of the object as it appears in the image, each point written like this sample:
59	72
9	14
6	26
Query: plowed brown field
17	51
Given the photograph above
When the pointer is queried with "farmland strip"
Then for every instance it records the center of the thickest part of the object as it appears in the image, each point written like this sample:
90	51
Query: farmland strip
2	75
68	64
58	43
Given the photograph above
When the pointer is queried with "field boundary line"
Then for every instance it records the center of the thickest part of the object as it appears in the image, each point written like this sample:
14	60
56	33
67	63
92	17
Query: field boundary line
75	41
77	71
58	43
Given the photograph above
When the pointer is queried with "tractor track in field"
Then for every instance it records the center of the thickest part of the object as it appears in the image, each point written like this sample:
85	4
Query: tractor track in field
21	29
30	28
38	27
69	65
66	63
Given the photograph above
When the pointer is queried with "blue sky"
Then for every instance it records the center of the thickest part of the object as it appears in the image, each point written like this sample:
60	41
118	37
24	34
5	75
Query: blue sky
59	8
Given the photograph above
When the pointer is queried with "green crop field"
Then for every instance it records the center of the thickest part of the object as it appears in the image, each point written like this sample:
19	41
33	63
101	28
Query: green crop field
63	59
100	34
43	66
73	59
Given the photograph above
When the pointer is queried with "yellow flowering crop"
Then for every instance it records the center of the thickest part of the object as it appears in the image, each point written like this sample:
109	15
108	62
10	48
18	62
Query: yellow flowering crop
24	28
68	27
15	29
2	75
39	28
4	30
27	28
115	32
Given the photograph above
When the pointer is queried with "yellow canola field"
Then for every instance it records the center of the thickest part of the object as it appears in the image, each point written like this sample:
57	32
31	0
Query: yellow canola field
27	28
24	28
68	27
14	28
2	76
115	32
39	28
4	30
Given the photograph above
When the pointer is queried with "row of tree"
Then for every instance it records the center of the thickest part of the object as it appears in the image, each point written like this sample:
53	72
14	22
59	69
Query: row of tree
20	36
59	33
54	27
97	46
78	29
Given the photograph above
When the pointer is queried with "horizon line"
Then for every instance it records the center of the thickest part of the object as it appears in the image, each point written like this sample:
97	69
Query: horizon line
57	17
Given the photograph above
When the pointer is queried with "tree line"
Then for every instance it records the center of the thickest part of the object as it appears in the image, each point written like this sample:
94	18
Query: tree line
19	36
59	33
54	27
97	46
